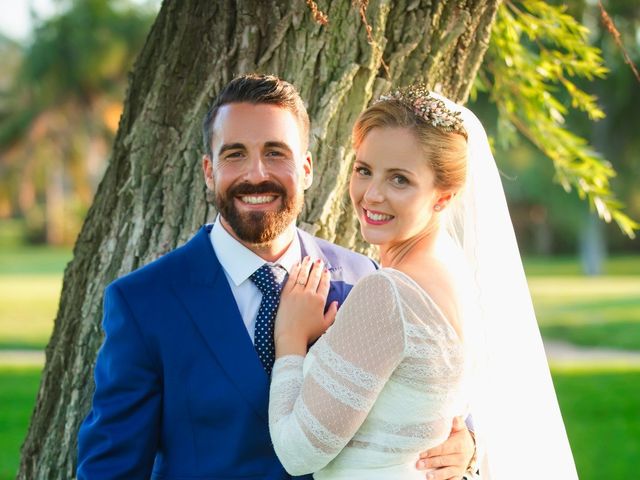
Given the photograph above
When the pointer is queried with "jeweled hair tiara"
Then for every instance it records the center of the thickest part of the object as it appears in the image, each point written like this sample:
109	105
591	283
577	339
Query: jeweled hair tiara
432	110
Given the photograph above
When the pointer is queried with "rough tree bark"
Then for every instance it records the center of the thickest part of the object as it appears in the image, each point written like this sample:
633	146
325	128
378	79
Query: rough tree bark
152	197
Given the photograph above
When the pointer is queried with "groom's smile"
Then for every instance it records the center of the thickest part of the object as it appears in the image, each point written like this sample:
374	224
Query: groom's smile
258	200
265	196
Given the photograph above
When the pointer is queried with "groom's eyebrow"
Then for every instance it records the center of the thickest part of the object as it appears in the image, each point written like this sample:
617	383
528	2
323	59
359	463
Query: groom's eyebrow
277	144
231	146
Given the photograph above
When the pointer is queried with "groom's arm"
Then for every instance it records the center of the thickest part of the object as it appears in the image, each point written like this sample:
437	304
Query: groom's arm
119	437
451	459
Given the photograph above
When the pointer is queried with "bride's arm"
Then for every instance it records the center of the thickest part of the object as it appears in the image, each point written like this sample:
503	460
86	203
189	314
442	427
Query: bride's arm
312	418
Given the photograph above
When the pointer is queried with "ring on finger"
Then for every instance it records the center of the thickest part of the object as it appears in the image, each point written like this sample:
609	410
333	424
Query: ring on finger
303	275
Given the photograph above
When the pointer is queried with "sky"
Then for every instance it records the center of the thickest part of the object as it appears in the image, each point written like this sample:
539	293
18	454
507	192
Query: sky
15	15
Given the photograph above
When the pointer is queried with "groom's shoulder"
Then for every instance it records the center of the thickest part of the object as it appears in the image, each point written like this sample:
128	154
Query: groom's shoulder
342	258
165	268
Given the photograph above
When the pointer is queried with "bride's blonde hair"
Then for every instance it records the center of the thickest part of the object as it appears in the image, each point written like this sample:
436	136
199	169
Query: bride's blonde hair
446	151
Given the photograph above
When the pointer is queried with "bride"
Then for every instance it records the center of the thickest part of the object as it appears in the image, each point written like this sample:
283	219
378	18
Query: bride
445	328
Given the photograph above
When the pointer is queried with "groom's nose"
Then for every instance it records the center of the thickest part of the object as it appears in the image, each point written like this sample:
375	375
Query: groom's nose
256	170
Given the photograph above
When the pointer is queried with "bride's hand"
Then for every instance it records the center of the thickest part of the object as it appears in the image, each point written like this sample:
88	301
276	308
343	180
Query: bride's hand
300	319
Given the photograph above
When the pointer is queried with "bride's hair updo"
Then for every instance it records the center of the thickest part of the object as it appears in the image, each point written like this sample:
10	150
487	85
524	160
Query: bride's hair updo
445	146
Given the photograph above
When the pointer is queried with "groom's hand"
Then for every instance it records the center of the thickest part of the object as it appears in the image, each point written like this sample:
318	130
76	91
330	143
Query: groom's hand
449	461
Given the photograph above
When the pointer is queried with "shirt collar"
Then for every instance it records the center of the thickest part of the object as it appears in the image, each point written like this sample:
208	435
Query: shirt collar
239	262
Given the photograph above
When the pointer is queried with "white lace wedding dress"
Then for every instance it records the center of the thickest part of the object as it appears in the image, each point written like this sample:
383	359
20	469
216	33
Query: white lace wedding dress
382	385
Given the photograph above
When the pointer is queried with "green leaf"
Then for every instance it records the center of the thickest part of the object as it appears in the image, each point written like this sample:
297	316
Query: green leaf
536	52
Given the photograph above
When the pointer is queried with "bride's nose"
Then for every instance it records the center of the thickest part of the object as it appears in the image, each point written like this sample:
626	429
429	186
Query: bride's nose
373	193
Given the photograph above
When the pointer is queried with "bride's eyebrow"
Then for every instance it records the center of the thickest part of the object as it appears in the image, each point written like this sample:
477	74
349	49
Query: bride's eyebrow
400	170
388	170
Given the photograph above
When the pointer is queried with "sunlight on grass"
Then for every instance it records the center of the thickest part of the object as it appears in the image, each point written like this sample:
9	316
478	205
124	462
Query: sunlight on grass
561	289
28	305
30	285
570	266
591	311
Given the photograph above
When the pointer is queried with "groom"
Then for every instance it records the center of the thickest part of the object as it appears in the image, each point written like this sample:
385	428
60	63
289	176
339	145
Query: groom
181	379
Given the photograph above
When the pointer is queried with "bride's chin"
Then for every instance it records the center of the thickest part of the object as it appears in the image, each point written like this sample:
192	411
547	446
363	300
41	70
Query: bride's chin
371	240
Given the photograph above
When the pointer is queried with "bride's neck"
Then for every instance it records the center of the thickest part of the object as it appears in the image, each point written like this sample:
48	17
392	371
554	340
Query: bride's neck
409	251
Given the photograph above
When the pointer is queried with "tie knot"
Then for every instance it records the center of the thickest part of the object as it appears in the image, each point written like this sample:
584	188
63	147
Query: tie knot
269	278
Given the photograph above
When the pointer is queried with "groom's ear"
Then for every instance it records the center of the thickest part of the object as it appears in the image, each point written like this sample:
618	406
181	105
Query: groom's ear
207	169
308	170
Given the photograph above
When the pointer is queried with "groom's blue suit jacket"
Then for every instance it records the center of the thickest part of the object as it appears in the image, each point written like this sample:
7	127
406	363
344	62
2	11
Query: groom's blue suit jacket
180	392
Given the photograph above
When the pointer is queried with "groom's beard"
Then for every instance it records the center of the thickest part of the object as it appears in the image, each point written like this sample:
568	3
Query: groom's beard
259	227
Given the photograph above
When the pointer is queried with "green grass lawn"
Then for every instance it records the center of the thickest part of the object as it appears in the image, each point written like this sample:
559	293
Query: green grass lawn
30	260
600	410
18	388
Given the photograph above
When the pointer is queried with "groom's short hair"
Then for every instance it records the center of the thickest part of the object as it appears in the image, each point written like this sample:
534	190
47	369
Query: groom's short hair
257	89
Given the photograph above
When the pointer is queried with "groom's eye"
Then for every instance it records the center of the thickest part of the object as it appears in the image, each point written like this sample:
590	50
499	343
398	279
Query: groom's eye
274	154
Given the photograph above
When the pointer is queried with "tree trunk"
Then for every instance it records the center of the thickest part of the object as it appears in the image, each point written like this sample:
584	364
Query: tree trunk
592	238
152	197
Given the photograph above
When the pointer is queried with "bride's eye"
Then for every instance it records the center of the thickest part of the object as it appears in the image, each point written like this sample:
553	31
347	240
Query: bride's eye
399	180
360	170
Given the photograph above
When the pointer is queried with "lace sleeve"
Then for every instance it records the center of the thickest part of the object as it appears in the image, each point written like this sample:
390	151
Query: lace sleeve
312	417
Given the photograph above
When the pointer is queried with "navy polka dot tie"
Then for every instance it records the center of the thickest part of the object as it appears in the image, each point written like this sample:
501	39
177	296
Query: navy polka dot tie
268	279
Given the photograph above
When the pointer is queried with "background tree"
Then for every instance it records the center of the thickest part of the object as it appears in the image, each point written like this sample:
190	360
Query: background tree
547	220
60	113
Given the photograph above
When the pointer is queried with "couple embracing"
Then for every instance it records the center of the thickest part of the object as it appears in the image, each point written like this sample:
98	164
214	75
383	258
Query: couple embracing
257	351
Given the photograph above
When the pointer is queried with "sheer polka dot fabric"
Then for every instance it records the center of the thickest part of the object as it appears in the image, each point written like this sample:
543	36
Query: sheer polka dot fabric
380	386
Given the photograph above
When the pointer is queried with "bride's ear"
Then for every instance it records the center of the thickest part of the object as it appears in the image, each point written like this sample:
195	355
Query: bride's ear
442	200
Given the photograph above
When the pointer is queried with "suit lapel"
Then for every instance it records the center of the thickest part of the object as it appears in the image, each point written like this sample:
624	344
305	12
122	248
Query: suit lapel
212	308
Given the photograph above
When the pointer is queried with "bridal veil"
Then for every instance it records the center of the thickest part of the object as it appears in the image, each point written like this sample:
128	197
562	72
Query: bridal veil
514	408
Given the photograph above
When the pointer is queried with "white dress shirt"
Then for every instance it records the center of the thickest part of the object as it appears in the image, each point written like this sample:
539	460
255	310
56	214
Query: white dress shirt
239	263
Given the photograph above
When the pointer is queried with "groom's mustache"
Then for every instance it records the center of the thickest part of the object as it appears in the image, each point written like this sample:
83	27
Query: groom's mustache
246	188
